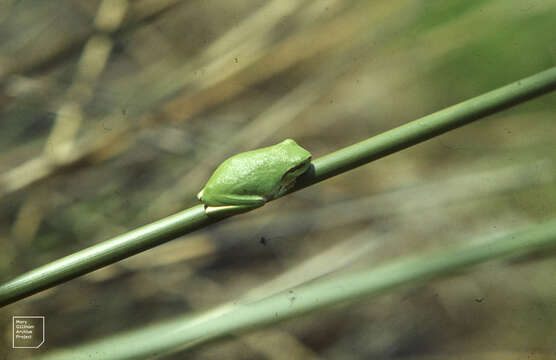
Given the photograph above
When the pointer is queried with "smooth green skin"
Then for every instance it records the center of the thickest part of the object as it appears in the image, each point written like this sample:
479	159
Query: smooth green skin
250	179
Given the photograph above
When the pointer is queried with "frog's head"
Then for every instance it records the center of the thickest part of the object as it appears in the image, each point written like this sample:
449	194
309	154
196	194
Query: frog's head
299	161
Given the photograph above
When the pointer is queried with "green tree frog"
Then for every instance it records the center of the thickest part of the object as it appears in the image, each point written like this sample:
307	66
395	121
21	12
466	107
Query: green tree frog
250	179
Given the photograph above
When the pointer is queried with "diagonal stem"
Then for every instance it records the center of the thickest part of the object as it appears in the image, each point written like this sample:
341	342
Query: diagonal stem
348	158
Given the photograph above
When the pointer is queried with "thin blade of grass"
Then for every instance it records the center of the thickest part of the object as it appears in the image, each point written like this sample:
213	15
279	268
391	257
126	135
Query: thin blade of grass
191	330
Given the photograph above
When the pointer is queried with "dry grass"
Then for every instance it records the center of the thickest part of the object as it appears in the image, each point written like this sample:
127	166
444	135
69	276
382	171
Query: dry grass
117	117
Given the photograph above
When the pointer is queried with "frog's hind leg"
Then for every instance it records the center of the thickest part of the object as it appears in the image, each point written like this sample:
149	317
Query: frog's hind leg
218	211
232	200
241	203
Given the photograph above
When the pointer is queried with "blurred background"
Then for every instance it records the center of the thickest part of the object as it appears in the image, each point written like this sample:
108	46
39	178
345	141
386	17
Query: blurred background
114	113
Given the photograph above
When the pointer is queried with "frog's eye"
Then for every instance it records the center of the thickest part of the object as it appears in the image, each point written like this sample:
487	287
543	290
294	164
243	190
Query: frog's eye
295	171
298	167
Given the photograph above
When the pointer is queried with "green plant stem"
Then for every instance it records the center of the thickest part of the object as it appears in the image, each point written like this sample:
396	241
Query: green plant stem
151	235
104	253
428	127
189	330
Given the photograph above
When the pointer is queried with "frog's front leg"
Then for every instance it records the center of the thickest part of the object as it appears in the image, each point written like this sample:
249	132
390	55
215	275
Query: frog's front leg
237	203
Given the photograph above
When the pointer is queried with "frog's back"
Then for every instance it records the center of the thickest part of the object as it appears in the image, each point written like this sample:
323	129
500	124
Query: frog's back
238	176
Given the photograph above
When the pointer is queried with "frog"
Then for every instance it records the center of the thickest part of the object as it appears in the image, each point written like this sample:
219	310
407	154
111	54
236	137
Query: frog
250	179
